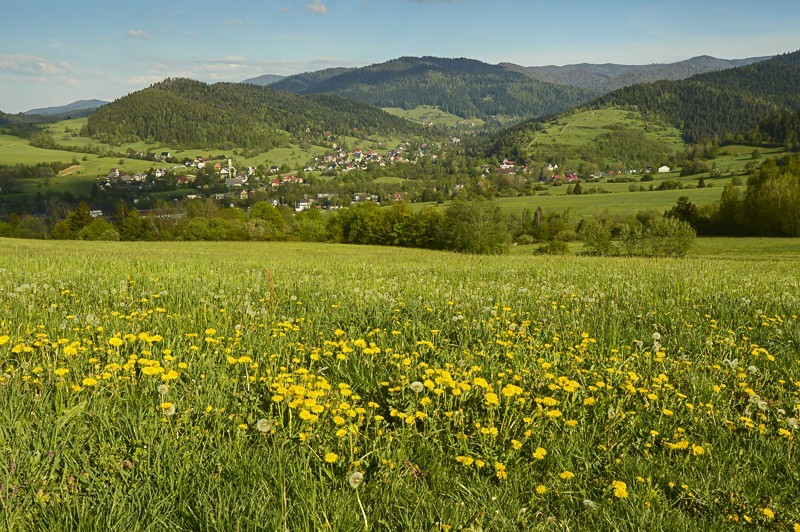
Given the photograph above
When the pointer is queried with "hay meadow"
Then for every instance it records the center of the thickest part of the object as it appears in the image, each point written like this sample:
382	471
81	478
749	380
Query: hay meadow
285	386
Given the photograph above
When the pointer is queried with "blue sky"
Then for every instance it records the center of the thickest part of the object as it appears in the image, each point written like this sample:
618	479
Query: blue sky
56	52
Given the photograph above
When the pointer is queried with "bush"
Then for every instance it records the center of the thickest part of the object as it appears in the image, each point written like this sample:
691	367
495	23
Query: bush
663	237
553	247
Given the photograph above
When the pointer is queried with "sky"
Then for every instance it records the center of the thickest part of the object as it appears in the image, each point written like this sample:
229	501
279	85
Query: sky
55	52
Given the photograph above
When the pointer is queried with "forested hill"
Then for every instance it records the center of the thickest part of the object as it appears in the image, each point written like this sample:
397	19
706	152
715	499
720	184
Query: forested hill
718	104
189	113
463	87
300	83
604	78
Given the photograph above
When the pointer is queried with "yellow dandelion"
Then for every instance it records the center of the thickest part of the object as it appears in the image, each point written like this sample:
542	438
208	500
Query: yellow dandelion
769	514
620	489
89	382
331	458
116	341
540	453
567	475
491	399
541	489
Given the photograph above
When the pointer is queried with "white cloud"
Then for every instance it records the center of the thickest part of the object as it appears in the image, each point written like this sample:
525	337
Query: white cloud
33	65
316	6
137	34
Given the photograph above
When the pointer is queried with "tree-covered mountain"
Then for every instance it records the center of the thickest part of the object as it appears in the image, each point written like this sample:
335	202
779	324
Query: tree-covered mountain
463	87
607	77
758	101
189	113
718	104
300	83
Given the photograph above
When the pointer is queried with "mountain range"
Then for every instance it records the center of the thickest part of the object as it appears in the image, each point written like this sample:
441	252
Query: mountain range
598	78
76	108
727	101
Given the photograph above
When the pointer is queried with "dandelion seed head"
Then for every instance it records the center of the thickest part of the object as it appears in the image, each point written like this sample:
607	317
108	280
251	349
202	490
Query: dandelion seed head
416	387
263	425
355	479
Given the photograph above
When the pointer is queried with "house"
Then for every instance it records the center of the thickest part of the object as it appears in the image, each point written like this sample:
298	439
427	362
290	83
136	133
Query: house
302	205
663	169
234	182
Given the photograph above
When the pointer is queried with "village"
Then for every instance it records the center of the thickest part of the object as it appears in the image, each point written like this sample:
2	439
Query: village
208	177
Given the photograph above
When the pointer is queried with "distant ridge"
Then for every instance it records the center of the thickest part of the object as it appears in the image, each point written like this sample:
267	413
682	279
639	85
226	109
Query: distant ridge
603	78
74	107
264	80
460	86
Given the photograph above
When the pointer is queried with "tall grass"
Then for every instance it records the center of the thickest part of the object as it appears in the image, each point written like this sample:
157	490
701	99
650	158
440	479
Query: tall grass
231	386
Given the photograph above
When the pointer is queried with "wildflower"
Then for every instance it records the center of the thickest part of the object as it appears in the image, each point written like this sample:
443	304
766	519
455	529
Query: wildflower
465	460
168	409
567	475
416	386
355	479
163	389
698	450
620	489
4	339
89	382
769	514
331	457
61	372
540	453
491	399
263	425
116	341
589	504
541	489
500	470
656	336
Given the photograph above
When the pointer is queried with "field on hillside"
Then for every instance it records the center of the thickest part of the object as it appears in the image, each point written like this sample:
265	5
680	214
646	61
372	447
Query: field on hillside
585	127
296	387
430	115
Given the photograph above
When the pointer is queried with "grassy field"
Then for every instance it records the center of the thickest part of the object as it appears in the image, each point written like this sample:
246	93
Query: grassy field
586	127
428	114
305	387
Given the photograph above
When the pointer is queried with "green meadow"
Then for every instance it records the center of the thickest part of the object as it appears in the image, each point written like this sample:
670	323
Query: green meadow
431	115
289	386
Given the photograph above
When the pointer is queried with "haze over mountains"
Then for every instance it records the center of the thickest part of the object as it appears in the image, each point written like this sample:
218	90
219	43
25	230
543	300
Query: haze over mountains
607	77
598	78
74	107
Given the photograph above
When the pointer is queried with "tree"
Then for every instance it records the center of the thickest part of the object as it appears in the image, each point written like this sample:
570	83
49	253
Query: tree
80	218
475	227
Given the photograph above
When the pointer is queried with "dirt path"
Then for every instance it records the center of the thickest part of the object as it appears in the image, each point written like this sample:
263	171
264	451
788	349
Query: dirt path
71	170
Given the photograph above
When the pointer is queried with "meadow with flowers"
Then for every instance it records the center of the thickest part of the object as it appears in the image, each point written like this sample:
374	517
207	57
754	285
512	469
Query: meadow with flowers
294	386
